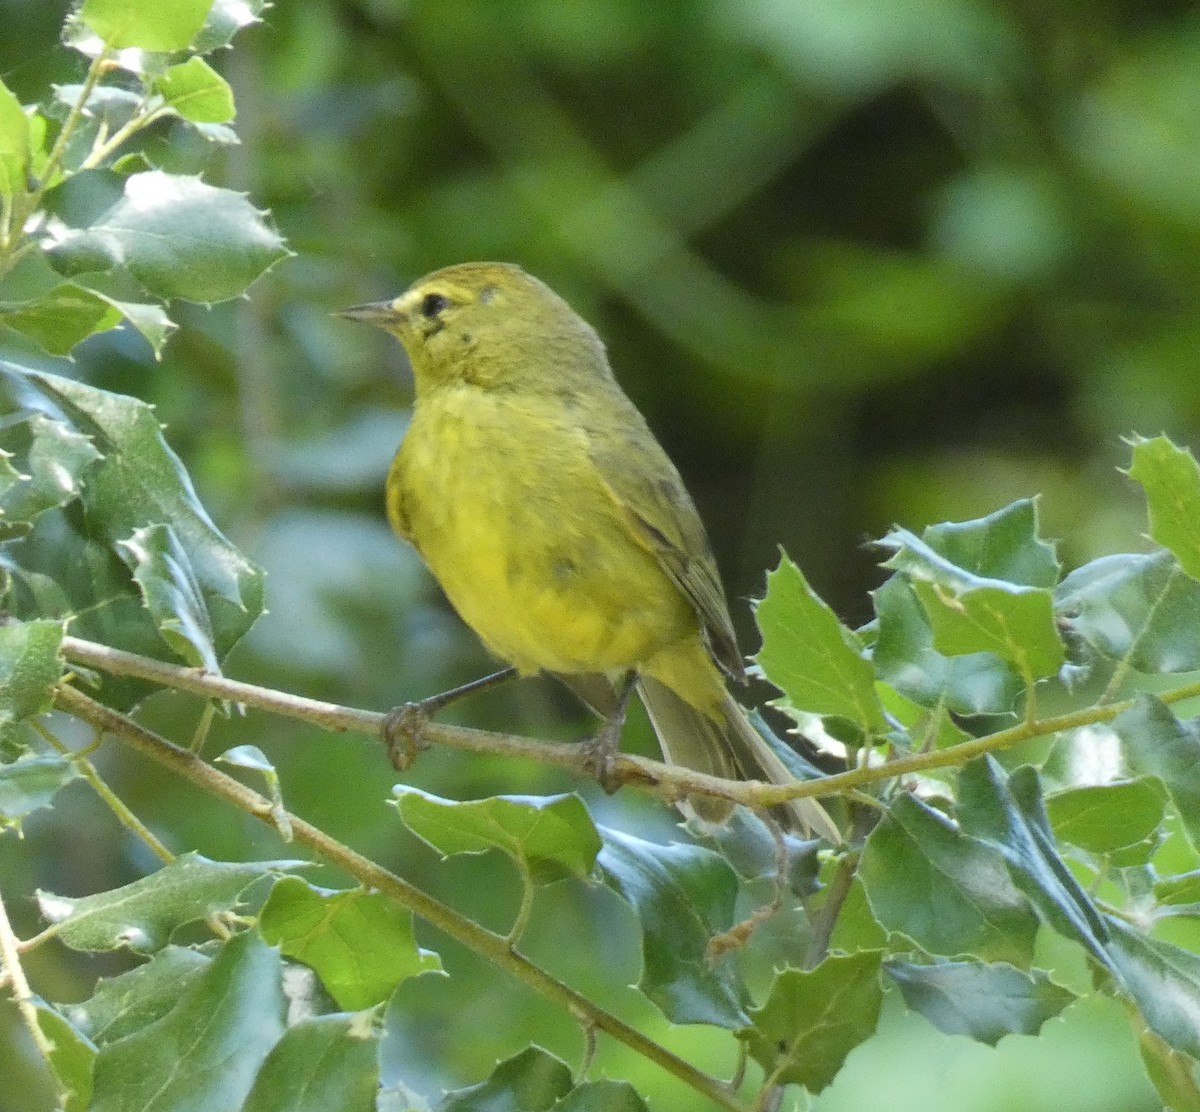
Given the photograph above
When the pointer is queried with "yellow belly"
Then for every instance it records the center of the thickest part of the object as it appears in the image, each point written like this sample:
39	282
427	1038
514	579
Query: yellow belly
505	506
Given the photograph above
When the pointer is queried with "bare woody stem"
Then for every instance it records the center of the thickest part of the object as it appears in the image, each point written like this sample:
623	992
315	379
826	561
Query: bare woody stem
672	782
496	948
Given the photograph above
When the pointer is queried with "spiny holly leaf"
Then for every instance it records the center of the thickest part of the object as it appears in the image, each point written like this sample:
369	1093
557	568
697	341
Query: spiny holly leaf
140	482
532	1081
328	1063
1003	545
226	19
810	656
359	943
54	462
72	1058
1156	743
60	319
683	895
549	837
971	613
142	915
1138	608
1007	812
983	1002
1164	981
922	725
121	1005
1171	480
948	892
149	319
30	666
172	593
1173	1072
178	236
1104	818
203	1055
905	657
813	1019
29	784
195	91
164	26
604	1095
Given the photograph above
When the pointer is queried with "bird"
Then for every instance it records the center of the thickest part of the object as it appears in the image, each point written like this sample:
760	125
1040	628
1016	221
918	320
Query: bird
557	526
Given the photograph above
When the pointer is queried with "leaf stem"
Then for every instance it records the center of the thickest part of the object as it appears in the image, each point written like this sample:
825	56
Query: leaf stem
54	158
21	994
114	802
494	947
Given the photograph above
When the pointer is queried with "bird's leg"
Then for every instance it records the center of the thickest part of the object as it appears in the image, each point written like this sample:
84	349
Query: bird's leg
403	724
602	746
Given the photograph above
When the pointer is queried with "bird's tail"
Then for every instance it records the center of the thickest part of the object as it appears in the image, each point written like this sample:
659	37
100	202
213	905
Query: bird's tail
732	749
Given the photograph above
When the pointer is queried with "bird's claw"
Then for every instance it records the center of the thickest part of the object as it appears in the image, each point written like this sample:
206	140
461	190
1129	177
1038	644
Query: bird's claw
403	734
599	757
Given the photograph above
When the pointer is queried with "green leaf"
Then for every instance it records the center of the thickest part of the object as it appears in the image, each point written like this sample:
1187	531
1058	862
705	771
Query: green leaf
1007	812
166	25
149	319
813	1019
1164	982
55	460
1107	817
142	915
1173	1073
983	1002
226	19
604	1095
532	1081
195	91
178	237
172	594
72	1058
359	943
948	892
1171	480
121	1005
975	684
970	613
1182	888
14	144
1139	608
549	837
1003	545
62	318
810	656
29	784
203	1055
1156	743
683	895
140	482
30	666
325	1064
922	725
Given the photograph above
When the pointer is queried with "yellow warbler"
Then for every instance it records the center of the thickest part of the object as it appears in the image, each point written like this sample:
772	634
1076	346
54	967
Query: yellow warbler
556	524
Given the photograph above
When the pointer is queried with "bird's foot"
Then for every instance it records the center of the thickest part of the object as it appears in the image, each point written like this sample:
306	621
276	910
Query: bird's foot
403	727
600	753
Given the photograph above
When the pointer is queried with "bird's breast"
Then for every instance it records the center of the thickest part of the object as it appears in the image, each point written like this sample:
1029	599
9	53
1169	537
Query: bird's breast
501	498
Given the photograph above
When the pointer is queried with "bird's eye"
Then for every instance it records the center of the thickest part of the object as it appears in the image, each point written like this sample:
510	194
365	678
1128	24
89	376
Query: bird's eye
434	303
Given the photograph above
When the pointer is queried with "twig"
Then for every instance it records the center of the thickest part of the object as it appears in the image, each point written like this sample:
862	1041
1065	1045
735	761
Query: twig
9	951
494	947
671	782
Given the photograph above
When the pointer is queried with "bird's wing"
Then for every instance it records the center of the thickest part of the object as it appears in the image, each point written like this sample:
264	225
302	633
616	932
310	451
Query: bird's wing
661	517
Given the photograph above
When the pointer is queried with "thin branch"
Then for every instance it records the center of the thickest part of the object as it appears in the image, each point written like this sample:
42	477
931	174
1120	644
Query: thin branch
671	782
494	947
10	952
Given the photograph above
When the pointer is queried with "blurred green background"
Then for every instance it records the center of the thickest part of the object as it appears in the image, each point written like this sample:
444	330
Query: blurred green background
858	261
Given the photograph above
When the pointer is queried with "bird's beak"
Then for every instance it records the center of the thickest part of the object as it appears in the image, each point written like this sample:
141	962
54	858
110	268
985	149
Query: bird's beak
379	313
